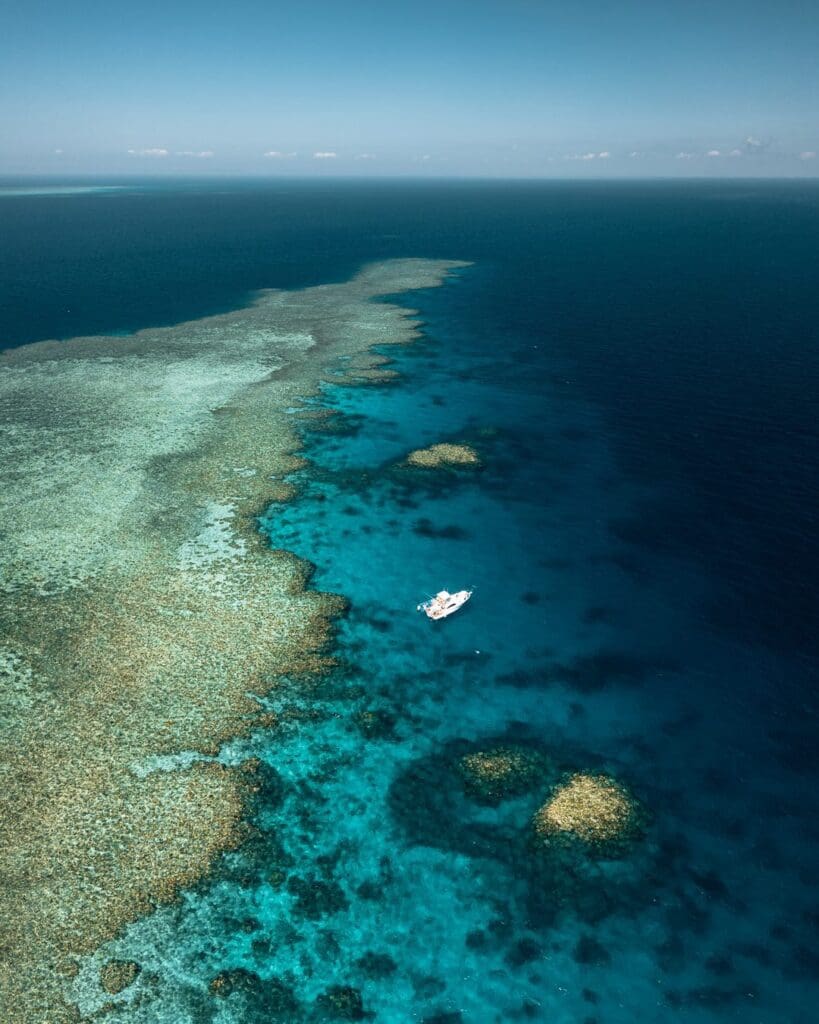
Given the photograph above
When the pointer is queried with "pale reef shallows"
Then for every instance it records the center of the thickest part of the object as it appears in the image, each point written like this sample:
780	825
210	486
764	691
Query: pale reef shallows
140	609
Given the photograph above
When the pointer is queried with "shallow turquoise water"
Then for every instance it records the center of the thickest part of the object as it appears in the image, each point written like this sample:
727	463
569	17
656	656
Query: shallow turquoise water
635	368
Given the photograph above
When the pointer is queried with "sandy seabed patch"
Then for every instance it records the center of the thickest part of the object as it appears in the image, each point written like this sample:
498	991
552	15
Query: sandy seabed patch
140	611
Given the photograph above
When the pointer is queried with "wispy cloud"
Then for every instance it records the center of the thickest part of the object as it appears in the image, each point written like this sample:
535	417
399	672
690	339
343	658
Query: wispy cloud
148	152
366	156
807	154
713	152
277	154
325	154
682	155
754	145
202	154
58	152
735	152
603	155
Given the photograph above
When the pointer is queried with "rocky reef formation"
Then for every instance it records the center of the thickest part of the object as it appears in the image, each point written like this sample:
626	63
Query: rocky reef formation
141	611
593	808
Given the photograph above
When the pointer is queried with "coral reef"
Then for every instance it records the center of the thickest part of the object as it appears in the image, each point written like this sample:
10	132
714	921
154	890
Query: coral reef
341	1002
134	584
265	997
593	808
377	724
117	975
443	455
492	775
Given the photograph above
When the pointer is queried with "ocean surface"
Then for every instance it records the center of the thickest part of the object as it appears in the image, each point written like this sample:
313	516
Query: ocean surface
638	367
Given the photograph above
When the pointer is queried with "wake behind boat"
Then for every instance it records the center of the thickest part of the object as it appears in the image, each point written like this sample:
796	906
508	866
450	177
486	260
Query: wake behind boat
444	603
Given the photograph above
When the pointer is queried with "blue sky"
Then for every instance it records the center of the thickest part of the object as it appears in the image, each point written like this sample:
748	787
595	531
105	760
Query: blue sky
485	87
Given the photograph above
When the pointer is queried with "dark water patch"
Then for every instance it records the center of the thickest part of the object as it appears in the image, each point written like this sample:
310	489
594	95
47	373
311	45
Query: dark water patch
710	885
672	954
599	615
802	961
713	998
686	915
451	531
590	673
781	609
720	965
767	854
590	952
685	722
377	965
524	951
477	939
315	897
524	678
575	434
797	749
370	890
630	565
754	951
556	564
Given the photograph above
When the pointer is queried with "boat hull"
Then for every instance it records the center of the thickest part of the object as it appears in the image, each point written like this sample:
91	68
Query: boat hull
445	604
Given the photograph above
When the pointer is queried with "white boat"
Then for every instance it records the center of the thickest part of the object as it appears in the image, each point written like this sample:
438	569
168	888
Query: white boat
444	603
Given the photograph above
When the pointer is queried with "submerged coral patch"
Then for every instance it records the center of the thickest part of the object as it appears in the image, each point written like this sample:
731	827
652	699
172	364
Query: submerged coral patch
593	808
501	772
443	455
117	975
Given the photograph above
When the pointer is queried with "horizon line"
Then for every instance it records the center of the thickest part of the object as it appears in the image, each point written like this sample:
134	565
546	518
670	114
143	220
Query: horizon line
318	177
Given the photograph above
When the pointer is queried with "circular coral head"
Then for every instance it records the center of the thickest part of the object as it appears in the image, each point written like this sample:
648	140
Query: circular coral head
593	808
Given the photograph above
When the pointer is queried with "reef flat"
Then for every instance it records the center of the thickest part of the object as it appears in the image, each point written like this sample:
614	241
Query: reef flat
140	610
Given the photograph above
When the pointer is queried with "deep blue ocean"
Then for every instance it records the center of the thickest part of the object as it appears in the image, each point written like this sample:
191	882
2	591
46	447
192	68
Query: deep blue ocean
638	364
